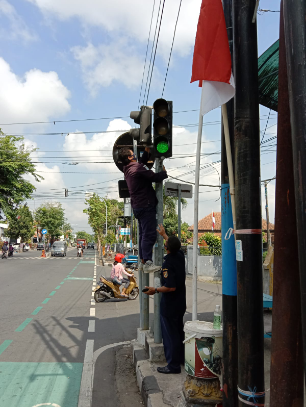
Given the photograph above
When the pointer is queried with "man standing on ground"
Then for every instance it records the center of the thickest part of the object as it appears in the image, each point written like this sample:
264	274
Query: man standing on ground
143	200
173	303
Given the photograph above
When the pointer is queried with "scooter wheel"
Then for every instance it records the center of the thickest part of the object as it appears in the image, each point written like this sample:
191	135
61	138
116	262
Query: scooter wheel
134	294
99	297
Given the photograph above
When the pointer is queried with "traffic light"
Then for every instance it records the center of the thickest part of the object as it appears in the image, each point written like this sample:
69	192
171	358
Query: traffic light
162	128
144	118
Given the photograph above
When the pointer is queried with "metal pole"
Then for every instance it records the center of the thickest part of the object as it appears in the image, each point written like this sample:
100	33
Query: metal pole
229	269
248	206
295	39
179	210
195	223
159	252
267	214
106	218
286	342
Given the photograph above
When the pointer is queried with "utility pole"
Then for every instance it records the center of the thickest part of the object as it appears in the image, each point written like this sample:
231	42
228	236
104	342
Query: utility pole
248	207
295	39
267	215
229	269
159	251
179	210
286	341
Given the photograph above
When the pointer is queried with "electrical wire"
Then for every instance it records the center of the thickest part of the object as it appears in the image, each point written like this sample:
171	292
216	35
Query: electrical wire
144	95
156	44
178	14
144	66
265	127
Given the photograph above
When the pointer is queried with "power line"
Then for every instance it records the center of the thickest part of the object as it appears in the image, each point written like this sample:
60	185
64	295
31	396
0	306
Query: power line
144	95
178	14
144	67
156	44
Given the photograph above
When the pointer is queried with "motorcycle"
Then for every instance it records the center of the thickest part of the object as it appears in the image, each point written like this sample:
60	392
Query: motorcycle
4	255
107	290
10	253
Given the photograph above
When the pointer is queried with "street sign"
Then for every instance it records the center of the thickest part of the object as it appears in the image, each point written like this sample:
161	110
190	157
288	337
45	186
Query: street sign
127	209
171	189
44	231
124	231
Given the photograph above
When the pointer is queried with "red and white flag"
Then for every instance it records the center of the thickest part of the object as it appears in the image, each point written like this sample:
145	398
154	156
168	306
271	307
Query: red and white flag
213	221
212	65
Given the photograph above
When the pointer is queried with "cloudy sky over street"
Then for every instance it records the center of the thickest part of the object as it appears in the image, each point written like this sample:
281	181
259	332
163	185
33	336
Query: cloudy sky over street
67	60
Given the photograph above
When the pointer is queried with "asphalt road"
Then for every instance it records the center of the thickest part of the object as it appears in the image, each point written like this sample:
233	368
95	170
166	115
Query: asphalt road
55	341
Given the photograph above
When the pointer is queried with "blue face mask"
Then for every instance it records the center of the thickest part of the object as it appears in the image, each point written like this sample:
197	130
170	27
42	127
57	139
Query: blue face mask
133	157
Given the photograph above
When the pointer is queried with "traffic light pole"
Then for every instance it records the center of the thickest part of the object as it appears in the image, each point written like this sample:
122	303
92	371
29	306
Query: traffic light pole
159	251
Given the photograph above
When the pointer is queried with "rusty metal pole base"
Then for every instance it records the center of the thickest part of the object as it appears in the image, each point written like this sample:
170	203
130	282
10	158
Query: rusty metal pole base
202	392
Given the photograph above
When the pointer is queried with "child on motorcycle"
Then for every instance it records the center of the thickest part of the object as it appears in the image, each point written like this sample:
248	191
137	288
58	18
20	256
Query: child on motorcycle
116	274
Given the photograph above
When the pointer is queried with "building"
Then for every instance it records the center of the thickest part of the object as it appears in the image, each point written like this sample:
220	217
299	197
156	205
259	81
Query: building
205	225
3	228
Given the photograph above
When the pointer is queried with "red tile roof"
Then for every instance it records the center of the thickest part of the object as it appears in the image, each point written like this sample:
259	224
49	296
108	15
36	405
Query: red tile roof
205	224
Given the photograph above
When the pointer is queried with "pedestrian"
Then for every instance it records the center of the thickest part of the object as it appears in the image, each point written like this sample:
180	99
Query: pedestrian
143	200
173	303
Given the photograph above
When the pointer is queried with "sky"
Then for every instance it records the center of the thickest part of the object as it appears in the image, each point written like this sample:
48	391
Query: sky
67	60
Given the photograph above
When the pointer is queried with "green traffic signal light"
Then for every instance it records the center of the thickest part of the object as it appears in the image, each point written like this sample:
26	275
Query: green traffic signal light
162	147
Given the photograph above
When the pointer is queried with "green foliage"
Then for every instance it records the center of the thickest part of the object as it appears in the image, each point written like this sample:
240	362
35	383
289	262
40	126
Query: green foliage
111	237
50	216
84	235
15	162
264	255
214	244
67	231
264	237
96	212
21	223
186	235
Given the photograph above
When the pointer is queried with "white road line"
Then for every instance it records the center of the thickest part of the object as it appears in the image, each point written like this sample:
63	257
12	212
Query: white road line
92	294
92	312
92	302
92	325
98	352
85	395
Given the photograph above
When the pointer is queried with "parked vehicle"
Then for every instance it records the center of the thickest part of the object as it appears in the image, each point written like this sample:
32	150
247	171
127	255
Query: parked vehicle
40	246
16	246
90	245
59	249
107	289
130	258
26	247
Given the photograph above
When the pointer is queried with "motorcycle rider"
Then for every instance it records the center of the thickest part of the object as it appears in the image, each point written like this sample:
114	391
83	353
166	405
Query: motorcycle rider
4	250
80	251
116	274
11	250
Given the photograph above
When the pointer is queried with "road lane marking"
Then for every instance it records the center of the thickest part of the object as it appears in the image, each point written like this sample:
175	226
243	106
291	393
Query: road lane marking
62	282
98	352
85	395
53	292
36	311
23	325
93	302
47	404
46	300
58	287
92	312
5	345
79	278
91	325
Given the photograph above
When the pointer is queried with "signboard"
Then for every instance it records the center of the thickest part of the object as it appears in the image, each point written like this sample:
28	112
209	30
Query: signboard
125	231
44	231
239	252
127	209
171	189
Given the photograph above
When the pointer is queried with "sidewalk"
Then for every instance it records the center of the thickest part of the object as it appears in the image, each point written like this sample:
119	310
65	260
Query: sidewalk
160	390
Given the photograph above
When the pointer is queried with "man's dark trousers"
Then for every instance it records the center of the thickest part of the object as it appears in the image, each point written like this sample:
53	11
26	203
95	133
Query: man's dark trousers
173	336
147	230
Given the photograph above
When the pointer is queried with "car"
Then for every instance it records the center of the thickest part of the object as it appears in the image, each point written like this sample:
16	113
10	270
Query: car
40	246
16	246
26	247
59	249
90	245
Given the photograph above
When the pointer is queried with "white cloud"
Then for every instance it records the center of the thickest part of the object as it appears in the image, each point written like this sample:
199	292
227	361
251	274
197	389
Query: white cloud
38	96
17	27
131	18
100	145
104	64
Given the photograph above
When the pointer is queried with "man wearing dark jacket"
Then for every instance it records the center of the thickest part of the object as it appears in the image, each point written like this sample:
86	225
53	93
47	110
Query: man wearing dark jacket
143	200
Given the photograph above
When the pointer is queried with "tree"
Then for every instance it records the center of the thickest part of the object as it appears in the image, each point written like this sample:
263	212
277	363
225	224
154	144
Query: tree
96	212
83	235
15	162
67	231
50	216
214	244
21	223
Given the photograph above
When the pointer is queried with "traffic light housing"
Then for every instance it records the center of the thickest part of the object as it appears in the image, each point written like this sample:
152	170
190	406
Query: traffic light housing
144	118
162	128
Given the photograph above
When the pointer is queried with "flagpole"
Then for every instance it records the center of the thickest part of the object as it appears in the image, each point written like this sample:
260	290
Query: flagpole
195	223
229	161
